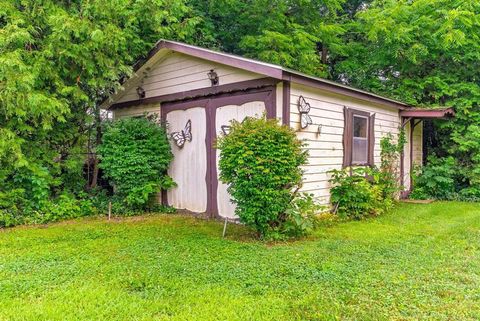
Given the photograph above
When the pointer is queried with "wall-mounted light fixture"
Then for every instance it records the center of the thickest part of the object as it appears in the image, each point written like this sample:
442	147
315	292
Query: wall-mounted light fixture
140	92
212	75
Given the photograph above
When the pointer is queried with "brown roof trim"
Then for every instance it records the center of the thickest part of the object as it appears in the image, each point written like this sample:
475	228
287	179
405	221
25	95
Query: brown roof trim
259	67
428	113
202	92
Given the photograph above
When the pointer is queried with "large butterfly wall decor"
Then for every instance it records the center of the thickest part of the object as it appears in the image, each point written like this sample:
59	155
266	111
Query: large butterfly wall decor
304	109
184	135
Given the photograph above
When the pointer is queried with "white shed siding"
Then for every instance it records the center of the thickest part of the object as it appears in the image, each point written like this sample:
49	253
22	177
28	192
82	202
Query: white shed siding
406	157
138	110
417	152
326	148
178	72
418	145
279	102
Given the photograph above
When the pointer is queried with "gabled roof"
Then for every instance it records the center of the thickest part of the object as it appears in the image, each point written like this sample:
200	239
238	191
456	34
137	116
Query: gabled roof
263	68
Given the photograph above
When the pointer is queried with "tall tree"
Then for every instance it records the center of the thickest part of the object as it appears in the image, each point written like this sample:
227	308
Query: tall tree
57	60
300	34
427	53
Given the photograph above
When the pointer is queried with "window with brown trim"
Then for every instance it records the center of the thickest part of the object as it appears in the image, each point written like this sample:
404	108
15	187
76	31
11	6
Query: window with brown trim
358	138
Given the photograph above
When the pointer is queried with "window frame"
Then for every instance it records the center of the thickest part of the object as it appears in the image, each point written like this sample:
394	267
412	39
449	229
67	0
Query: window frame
350	115
367	138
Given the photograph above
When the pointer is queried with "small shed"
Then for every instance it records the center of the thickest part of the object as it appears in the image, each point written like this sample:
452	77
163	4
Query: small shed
199	91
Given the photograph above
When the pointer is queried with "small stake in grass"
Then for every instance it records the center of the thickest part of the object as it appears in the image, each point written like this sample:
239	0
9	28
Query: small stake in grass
225	227
109	210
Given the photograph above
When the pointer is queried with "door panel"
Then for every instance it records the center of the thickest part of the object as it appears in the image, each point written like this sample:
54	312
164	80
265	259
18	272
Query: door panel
224	115
189	165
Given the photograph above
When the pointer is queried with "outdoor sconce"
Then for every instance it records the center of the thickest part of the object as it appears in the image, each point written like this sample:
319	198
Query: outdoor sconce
212	75
140	92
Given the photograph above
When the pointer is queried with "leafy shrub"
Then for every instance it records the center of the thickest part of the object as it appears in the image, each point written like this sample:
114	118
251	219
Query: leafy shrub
11	206
471	194
301	216
436	180
135	155
260	160
389	167
34	202
65	206
356	192
363	191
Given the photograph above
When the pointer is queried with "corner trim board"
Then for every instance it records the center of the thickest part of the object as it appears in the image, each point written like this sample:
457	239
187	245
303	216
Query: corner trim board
286	103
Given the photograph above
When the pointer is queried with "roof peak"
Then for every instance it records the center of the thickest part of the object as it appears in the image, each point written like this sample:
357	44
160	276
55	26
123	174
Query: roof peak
268	70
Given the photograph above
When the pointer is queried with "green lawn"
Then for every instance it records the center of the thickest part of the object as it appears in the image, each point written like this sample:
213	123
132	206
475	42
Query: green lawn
418	262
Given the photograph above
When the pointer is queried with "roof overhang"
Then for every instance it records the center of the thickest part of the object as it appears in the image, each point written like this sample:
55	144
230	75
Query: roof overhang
163	47
418	113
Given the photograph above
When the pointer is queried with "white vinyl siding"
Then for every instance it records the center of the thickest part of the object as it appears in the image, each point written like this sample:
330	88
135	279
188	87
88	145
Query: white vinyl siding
418	145
326	148
178	72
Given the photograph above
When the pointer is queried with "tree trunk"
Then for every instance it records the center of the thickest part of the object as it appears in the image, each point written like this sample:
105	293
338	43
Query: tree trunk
324	54
98	141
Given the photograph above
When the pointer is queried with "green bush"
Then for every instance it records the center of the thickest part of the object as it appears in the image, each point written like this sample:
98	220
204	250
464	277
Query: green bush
389	165
135	155
11	206
18	210
302	216
471	194
35	203
436	180
357	192
260	161
365	191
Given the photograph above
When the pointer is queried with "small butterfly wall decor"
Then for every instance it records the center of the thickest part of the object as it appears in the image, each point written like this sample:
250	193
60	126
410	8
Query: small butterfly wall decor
226	129
184	135
304	109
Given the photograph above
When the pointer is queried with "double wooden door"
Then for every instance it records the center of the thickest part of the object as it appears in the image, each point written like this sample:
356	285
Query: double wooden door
194	126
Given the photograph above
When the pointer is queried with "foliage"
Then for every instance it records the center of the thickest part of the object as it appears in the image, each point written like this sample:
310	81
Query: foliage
436	180
302	216
179	268
293	33
135	155
390	163
427	53
58	60
16	210
362	191
100	200
260	161
355	192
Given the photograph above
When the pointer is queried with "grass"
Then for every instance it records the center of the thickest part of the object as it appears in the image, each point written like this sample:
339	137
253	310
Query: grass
418	262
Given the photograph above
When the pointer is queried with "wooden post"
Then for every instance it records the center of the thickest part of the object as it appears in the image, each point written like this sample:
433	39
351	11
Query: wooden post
109	210
225	227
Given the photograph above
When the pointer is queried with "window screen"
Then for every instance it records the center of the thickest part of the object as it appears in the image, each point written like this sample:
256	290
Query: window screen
360	140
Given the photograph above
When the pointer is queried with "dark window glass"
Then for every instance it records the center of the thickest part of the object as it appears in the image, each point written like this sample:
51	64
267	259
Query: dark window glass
360	125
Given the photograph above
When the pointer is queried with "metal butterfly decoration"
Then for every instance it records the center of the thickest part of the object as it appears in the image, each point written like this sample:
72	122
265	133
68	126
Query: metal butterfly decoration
226	129
184	135
304	109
